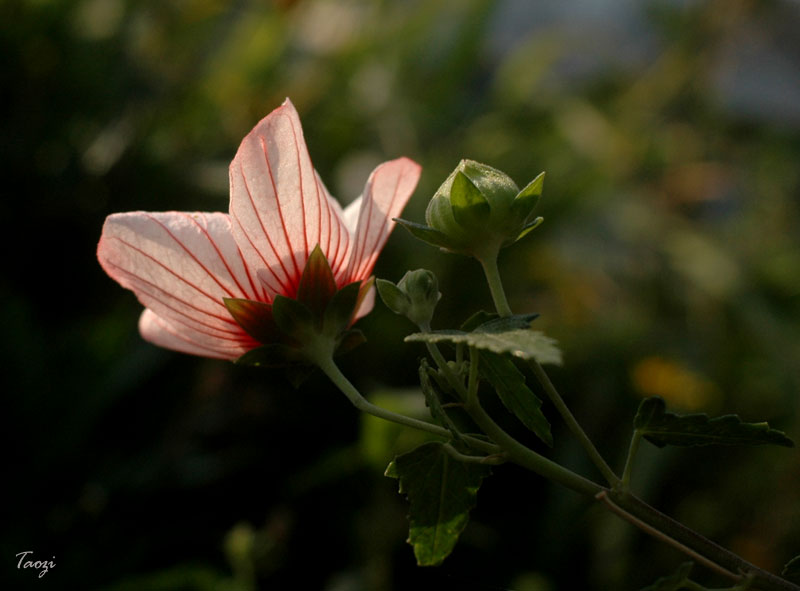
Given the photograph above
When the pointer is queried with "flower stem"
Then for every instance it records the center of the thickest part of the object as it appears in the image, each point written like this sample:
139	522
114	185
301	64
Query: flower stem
492	273
636	439
330	369
516	451
490	269
573	424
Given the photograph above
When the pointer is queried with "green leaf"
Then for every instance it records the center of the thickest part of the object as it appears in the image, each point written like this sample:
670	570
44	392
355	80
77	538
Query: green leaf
677	580
522	343
317	284
662	428
507	323
433	401
791	572
470	208
427	234
510	385
477	319
441	492
394	298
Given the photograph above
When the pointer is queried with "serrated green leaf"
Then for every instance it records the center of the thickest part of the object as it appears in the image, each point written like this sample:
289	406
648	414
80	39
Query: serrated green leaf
510	385
478	318
441	492
522	343
470	208
791	572
427	234
674	582
507	323
662	428
433	401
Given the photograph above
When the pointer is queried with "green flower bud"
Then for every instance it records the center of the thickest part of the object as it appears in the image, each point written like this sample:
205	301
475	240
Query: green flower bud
415	296
478	210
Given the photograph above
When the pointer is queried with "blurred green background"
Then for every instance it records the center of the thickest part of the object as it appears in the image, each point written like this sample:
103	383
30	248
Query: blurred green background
668	263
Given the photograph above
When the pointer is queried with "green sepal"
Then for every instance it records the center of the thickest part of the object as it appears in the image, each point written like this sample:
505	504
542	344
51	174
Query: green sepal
297	374
470	207
341	308
349	340
394	298
317	284
294	318
271	355
526	200
528	229
256	318
674	582
791	572
441	492
662	428
509	383
430	235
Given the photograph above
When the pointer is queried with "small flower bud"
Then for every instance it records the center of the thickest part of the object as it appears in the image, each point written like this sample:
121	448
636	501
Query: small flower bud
415	296
478	210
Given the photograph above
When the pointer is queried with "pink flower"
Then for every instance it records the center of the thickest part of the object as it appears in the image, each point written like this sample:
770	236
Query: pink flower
184	266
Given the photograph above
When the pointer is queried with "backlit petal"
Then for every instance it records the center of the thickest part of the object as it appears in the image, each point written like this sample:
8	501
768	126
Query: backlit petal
181	266
279	208
160	332
387	191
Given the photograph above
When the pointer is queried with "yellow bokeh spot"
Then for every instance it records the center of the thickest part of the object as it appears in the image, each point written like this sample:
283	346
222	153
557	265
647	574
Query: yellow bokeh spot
677	384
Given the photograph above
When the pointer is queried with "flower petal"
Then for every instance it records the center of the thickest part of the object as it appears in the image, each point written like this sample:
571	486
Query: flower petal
387	191
160	332
181	266
279	208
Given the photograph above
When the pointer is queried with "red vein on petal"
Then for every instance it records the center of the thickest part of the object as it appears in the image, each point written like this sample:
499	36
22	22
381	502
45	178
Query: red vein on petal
382	234
216	247
220	352
293	280
258	289
324	198
264	231
195	258
164	301
216	300
300	180
281	286
358	253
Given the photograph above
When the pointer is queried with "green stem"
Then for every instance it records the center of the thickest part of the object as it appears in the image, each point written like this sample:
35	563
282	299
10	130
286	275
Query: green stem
489	264
573	424
330	369
519	453
636	439
713	552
